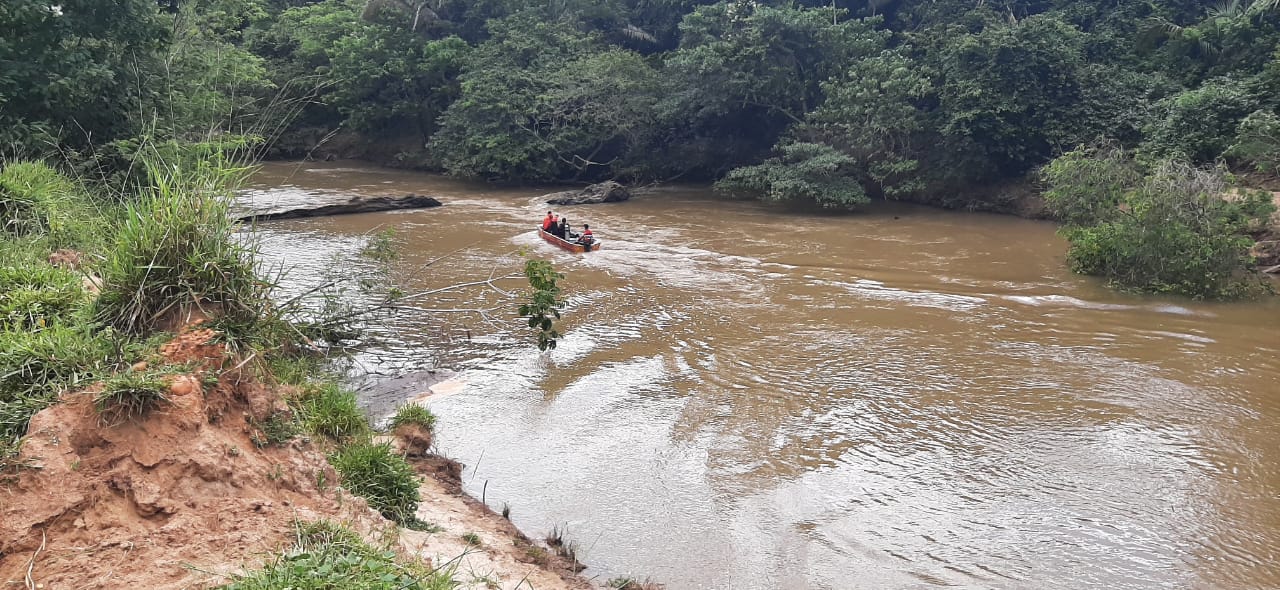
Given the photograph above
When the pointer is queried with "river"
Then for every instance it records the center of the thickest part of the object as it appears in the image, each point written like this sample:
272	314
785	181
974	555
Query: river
751	397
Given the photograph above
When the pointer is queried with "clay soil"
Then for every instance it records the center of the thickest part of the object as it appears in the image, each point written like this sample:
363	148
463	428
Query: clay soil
184	497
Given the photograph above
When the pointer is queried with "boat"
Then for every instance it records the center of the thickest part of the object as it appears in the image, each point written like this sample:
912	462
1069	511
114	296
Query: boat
564	244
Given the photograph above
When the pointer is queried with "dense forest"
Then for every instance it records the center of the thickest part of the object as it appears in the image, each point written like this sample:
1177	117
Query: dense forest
830	103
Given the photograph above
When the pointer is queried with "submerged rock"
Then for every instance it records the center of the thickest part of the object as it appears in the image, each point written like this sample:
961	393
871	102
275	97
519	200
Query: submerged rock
604	192
355	205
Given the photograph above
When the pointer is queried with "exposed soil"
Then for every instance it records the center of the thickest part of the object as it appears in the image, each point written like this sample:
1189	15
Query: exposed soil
503	557
183	497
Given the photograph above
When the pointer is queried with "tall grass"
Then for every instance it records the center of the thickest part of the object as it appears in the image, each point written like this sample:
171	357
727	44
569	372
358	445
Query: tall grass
377	473
47	342
330	410
36	200
176	248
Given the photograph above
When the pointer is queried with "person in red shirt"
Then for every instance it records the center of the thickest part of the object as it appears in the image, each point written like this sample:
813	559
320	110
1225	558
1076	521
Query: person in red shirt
586	237
546	223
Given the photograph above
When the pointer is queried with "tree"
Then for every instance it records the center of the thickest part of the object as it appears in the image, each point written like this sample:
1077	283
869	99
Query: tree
745	72
1013	91
805	172
543	101
71	71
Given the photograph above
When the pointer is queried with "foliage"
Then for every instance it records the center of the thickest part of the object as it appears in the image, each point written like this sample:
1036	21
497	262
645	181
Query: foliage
492	131
874	114
32	297
1200	124
328	556
1087	186
1011	91
43	362
1176	229
543	307
330	410
804	172
69	71
176	248
1258	142
381	246
35	199
414	414
376	473
131	395
745	72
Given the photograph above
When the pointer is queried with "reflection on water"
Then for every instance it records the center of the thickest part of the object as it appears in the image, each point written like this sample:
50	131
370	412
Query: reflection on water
751	398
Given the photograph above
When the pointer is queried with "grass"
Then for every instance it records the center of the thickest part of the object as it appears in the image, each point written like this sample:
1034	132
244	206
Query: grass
175	247
327	556
38	295
414	414
564	548
128	396
36	200
376	473
330	410
277	429
472	539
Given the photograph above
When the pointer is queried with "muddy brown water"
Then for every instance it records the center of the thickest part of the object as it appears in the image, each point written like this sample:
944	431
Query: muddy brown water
746	397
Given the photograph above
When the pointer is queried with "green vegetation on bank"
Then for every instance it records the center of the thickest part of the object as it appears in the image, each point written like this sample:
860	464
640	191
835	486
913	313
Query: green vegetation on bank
856	100
327	556
84	299
827	103
1166	227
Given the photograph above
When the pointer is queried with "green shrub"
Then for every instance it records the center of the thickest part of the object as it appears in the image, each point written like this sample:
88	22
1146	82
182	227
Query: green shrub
328	409
1177	229
38	295
1258	142
1200	124
176	247
414	414
1087	185
328	556
131	395
382	477
806	172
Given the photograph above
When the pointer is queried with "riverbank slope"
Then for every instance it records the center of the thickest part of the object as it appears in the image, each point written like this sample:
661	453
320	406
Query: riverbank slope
191	495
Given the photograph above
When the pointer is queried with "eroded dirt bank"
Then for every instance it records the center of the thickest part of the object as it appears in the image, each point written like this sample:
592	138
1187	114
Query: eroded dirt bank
187	495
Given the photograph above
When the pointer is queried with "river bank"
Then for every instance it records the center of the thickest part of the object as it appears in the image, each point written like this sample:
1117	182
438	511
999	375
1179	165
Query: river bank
191	496
165	422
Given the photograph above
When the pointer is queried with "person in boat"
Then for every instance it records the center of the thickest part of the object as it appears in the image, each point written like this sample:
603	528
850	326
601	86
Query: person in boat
547	221
564	232
587	238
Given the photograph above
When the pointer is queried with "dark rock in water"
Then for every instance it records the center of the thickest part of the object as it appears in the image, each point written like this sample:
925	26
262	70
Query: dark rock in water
605	192
383	397
355	205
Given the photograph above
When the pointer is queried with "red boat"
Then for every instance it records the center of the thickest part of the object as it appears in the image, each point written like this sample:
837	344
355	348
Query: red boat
564	244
